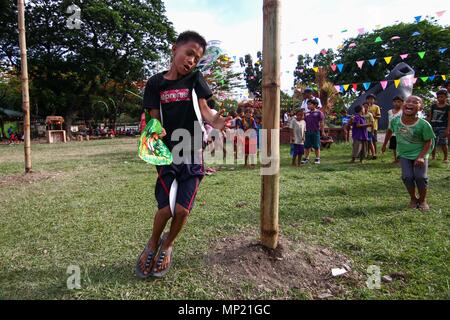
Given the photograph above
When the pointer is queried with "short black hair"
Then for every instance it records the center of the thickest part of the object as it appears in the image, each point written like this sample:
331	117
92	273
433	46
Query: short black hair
314	101
442	91
371	96
187	36
358	109
398	98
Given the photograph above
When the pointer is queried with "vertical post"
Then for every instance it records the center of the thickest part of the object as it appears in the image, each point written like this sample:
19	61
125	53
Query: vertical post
25	94
271	122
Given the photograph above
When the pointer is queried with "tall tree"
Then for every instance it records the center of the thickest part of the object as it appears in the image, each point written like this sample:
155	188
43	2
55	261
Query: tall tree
253	74
119	41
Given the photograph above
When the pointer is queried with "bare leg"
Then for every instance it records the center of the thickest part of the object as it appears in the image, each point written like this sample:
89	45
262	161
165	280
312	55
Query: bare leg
445	150
159	223
178	222
317	153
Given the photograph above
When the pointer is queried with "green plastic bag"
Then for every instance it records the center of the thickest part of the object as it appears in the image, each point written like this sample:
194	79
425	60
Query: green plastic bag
151	148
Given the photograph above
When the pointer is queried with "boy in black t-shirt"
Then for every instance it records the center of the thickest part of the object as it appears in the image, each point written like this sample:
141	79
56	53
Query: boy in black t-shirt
439	119
169	97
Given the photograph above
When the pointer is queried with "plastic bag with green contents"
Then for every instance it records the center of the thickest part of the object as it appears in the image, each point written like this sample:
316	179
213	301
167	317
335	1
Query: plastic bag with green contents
151	148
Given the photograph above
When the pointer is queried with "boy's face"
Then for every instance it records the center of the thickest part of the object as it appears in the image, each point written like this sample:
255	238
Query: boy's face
398	104
249	113
365	108
370	101
412	106
300	116
442	98
311	106
186	56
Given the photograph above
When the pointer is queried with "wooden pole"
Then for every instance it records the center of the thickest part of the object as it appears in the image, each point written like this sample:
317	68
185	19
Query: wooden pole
271	122
25	93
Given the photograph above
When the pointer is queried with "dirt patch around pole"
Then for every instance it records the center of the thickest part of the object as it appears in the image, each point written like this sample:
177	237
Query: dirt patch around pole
291	266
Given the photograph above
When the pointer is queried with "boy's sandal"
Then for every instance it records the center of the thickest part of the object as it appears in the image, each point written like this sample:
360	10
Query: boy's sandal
148	262
424	207
162	256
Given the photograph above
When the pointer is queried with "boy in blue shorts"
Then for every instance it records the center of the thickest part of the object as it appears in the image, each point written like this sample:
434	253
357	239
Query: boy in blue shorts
169	97
314	127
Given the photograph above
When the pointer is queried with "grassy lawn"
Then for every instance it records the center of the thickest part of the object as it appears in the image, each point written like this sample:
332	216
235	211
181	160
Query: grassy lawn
94	208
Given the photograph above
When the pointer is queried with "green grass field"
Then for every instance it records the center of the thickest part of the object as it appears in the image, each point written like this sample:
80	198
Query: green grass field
94	206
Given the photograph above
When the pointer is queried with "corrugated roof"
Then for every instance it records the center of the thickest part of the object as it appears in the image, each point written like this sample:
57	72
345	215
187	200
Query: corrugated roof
11	113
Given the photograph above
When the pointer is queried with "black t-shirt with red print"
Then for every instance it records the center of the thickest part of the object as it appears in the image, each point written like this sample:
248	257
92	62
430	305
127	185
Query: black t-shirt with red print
174	97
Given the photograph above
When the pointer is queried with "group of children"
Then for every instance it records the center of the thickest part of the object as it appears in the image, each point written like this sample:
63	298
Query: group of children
169	98
306	129
411	137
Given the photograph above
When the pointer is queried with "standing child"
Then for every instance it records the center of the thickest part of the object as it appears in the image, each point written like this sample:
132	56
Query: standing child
314	127
297	131
396	111
376	112
169	98
359	135
440	122
414	144
249	127
369	120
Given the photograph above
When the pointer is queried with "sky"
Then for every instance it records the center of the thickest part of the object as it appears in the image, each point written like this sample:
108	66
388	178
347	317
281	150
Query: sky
238	23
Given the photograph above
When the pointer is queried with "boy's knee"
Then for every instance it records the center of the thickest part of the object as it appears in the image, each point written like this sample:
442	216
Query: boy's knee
422	183
165	212
408	181
181	212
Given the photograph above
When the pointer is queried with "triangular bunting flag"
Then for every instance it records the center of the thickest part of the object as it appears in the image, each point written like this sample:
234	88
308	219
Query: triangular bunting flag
407	82
415	34
378	39
344	31
340	46
366	85
316	69
440	13
340	67
418	18
338	88
431	78
355	87
342	89
377	26
424	79
361	30
360	63
346	86
397	83
333	67
404	56
442	50
388	59
373	61
306	39
316	40
444	77
323	52
421	54
384	84
414	80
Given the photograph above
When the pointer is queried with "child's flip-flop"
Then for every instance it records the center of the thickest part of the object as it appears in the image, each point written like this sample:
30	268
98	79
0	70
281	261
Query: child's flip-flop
148	262
161	257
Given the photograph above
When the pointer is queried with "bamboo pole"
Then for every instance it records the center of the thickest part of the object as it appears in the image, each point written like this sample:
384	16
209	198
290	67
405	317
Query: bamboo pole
271	122
25	93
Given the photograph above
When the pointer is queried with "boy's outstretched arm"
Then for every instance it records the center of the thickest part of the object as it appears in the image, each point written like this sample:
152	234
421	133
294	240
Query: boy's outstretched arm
215	120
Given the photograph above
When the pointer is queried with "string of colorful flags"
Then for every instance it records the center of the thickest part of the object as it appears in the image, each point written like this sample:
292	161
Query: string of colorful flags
360	63
406	81
362	30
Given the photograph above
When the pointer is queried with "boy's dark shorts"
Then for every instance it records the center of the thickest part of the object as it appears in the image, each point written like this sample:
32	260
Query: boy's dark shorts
312	140
375	137
393	143
188	176
441	138
298	150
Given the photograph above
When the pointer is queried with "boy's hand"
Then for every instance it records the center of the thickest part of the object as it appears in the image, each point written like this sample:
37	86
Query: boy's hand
220	122
420	162
163	133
